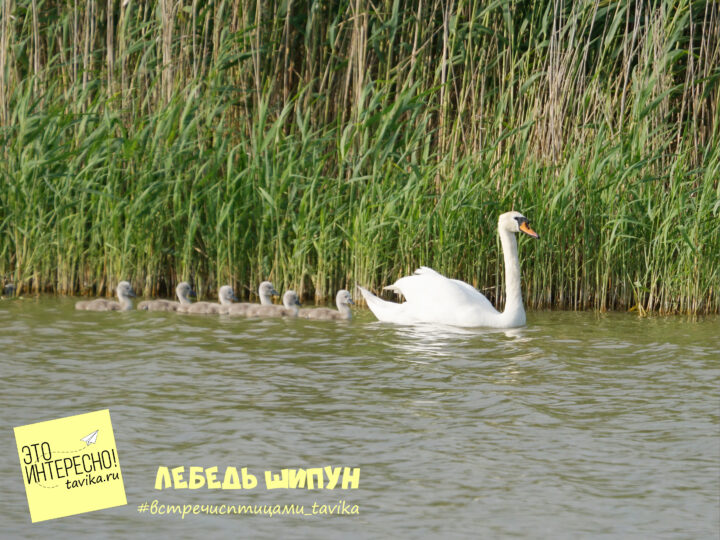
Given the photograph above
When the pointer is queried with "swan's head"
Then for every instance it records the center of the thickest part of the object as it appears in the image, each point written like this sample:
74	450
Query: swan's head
343	298
124	290
515	222
226	295
267	290
290	299
184	291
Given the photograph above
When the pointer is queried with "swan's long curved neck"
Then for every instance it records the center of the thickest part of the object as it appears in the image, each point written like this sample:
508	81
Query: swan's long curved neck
344	309
125	302
514	310
265	298
292	306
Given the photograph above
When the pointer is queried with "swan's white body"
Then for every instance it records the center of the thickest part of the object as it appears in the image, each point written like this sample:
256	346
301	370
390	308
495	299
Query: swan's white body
433	298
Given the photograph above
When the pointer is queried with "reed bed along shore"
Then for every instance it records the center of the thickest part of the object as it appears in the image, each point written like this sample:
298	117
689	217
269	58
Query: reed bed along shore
322	144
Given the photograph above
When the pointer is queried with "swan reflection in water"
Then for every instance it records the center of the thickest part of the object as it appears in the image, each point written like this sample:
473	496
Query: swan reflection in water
423	343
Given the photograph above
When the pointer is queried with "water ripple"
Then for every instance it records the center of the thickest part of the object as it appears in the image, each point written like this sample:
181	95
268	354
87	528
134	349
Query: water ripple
578	425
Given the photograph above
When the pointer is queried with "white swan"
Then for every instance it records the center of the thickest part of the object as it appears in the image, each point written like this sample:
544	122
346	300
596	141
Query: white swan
266	291
226	295
124	293
183	291
290	307
342	300
433	298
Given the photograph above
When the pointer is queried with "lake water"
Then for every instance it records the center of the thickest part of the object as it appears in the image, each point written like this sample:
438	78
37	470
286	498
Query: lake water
579	425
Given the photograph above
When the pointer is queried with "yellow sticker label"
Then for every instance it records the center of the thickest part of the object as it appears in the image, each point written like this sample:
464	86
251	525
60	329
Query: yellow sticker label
70	466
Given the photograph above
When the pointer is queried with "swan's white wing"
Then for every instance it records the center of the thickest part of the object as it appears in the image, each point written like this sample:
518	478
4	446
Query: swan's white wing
473	293
431	291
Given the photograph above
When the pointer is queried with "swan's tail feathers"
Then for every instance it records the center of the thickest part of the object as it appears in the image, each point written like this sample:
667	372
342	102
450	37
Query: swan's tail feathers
383	310
367	295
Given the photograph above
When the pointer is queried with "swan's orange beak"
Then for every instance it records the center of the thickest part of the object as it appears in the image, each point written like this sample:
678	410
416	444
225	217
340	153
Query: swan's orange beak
527	230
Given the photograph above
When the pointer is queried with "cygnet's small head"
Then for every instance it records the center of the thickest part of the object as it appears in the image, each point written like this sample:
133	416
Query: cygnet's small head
290	299
226	295
344	298
515	222
184	291
267	290
124	290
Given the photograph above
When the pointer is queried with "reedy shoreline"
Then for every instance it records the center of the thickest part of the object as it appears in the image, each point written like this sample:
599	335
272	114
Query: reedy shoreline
326	146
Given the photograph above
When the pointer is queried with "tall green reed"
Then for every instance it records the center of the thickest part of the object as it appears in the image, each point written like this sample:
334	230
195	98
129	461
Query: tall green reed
322	145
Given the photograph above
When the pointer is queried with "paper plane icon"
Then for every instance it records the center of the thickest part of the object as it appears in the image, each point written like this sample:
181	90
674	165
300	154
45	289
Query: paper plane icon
90	439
